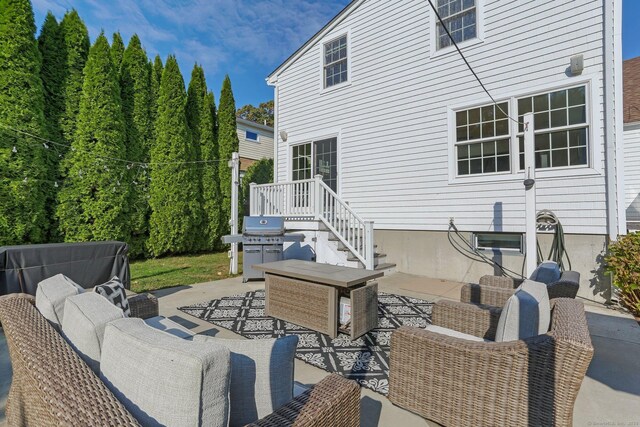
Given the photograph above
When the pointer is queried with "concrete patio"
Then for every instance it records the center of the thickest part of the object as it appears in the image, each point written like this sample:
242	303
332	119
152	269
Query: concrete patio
610	394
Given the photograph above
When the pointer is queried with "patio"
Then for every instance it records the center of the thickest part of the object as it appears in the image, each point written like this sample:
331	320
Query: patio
609	394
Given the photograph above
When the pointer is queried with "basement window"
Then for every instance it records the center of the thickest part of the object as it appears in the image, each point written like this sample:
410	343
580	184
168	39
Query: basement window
507	242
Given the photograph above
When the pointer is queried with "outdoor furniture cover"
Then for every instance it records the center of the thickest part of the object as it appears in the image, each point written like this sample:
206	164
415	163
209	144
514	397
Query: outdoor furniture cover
88	264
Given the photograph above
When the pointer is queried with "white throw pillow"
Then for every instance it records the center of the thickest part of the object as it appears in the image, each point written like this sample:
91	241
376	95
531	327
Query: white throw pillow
164	380
261	375
51	294
86	316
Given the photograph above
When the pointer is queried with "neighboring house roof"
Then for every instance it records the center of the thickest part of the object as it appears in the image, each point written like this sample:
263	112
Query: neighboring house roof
631	89
330	25
254	124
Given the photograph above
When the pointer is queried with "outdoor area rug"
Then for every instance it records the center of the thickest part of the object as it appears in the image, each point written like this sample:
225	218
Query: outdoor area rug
365	360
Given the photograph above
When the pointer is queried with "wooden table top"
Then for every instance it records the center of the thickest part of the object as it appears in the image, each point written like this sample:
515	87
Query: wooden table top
335	275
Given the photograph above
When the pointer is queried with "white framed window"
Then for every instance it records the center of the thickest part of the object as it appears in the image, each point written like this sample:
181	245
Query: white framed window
335	61
485	141
561	127
497	241
482	140
251	136
461	19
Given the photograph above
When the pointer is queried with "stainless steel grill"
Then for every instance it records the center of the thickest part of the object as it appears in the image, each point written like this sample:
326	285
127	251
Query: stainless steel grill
263	240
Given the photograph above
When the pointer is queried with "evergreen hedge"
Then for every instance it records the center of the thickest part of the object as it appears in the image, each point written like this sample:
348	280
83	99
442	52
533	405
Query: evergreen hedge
173	190
23	171
135	84
228	143
94	199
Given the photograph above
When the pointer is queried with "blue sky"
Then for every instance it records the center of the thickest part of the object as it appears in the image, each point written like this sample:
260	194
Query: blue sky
245	38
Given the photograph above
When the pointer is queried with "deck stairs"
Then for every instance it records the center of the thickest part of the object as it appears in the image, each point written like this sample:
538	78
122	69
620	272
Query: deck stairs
334	233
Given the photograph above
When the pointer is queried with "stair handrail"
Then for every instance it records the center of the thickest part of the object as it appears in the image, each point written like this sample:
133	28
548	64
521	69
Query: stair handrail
366	254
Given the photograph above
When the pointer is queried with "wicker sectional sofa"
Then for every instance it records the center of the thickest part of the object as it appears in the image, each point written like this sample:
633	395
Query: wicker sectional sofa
52	385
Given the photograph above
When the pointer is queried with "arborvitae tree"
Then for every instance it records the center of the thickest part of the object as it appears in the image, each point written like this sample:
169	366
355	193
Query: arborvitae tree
228	143
76	50
201	119
155	70
51	46
22	160
173	189
94	198
136	107
210	175
117	51
260	172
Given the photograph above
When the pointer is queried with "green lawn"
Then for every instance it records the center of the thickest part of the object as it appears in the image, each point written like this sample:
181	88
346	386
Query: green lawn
151	274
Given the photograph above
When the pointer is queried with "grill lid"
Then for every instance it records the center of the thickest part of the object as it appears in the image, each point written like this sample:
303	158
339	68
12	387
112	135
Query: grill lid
263	225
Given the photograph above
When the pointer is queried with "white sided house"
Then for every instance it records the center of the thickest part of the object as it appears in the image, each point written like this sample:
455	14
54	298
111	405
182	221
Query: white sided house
384	137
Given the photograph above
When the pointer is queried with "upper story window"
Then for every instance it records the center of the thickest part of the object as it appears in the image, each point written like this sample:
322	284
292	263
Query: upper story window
335	62
460	18
482	140
560	126
251	136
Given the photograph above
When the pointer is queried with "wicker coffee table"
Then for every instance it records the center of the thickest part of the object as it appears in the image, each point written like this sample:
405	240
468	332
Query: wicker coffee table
308	293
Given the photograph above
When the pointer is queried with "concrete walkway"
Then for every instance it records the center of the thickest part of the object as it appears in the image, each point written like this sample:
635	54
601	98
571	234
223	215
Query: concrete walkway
610	394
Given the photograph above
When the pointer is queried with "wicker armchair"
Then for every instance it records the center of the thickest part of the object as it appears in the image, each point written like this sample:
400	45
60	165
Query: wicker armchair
456	382
496	290
52	386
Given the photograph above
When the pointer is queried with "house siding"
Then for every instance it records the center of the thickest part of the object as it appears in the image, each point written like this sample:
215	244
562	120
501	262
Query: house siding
392	119
632	174
255	150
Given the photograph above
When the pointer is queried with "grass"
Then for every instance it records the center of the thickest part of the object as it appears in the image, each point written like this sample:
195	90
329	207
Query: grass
159	273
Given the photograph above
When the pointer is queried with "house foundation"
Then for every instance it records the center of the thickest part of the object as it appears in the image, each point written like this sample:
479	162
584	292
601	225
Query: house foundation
430	253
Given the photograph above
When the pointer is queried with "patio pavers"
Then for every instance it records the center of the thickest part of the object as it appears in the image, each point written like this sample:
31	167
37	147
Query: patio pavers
610	393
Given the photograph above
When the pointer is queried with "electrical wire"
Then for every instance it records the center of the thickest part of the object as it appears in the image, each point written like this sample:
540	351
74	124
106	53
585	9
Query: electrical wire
446	29
115	159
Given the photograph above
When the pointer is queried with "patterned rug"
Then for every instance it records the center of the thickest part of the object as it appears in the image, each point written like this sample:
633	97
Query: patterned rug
365	360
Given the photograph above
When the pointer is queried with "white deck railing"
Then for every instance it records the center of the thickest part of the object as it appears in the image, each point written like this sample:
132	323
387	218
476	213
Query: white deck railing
313	199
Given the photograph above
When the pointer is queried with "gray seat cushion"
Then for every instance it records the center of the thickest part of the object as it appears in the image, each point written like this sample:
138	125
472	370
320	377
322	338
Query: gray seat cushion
164	380
261	375
539	291
453	333
547	272
51	294
519	318
86	316
169	326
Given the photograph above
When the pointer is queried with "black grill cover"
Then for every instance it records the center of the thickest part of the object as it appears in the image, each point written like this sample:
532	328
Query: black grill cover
88	264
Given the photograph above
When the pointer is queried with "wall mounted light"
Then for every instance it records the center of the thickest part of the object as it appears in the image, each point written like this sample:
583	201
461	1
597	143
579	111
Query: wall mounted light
577	64
284	135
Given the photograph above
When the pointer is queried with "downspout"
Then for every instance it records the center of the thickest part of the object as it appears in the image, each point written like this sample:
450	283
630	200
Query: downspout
276	133
613	124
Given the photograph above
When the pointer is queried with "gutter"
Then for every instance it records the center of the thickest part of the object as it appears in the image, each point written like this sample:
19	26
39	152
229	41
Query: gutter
614	146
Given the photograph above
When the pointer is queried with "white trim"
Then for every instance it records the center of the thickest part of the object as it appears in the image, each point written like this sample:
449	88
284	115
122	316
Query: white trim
328	39
619	125
594	161
257	140
612	121
434	52
310	139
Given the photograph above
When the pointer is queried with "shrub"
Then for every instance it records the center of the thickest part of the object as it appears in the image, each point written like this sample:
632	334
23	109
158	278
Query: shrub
623	264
